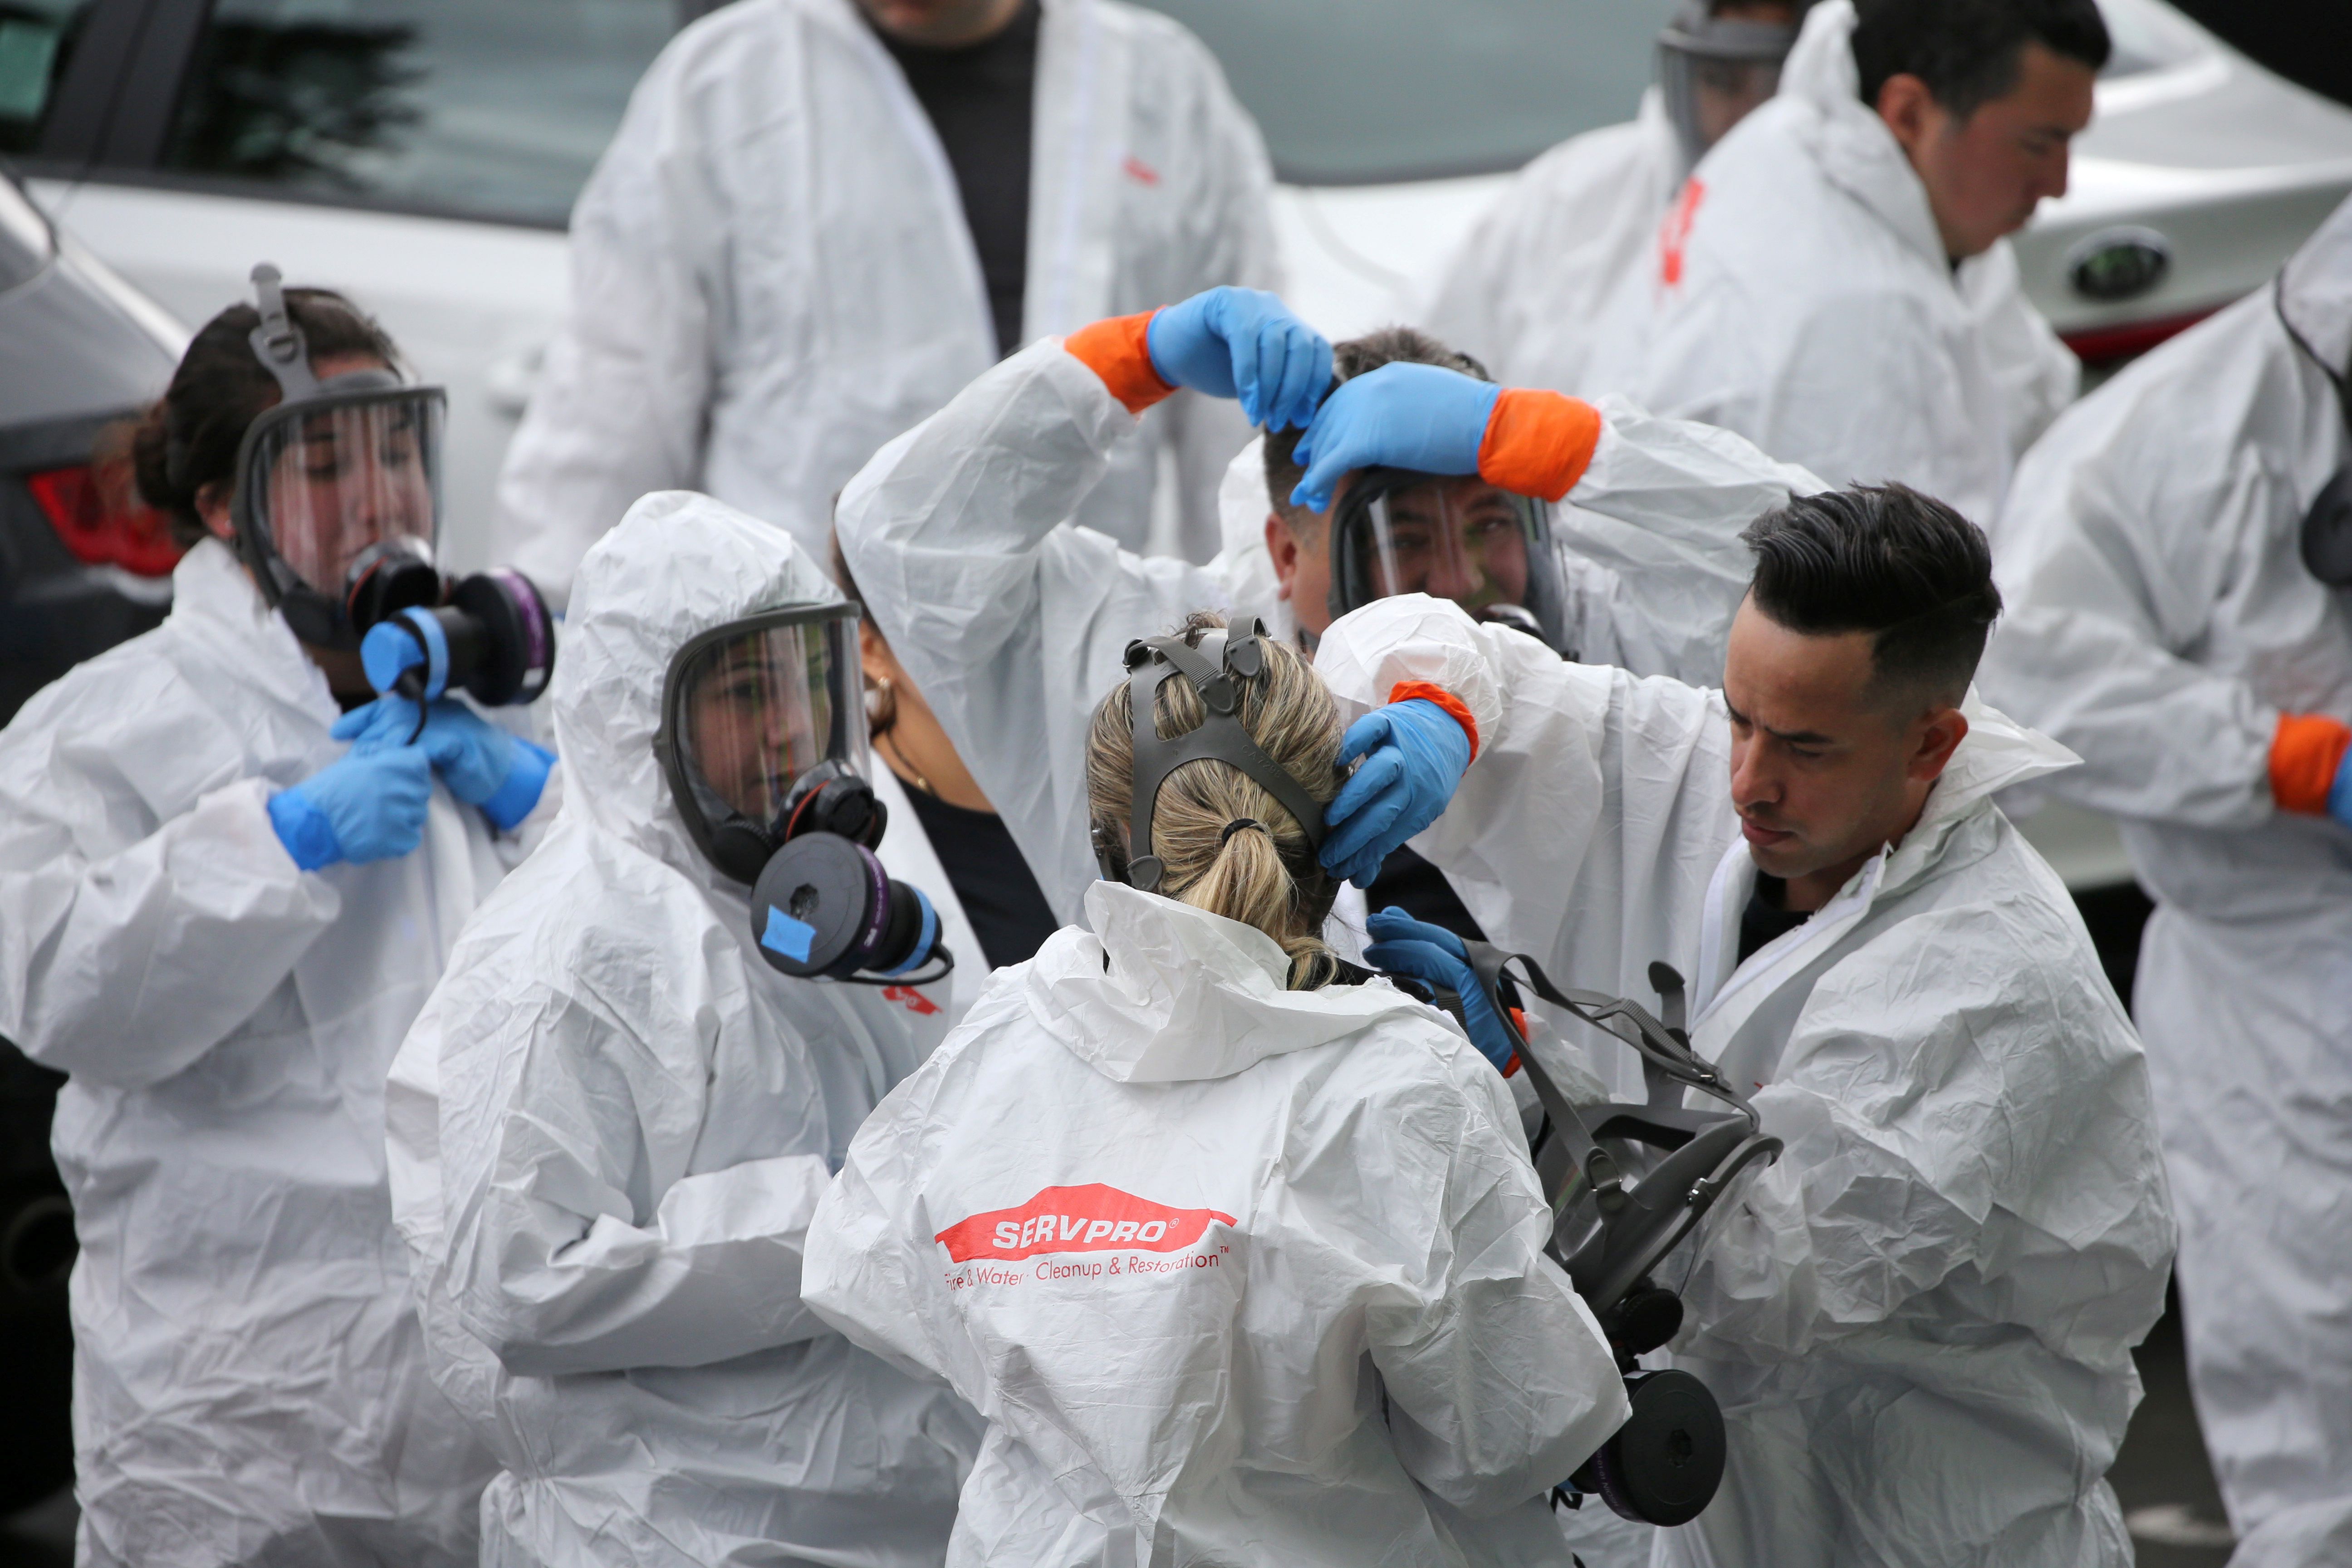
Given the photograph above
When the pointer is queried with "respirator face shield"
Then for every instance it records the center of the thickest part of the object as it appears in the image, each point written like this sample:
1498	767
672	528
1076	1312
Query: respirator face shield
762	739
2326	534
1713	70
1395	532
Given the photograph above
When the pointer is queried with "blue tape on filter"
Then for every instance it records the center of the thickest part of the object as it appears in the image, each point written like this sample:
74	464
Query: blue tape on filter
436	649
930	933
786	935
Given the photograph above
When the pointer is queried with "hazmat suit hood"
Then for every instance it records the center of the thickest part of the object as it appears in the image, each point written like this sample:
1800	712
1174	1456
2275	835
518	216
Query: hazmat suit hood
679	564
1856	151
1160	992
2316	290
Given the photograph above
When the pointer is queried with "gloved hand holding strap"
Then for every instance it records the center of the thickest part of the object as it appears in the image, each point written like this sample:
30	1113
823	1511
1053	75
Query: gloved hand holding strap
1119	350
2306	764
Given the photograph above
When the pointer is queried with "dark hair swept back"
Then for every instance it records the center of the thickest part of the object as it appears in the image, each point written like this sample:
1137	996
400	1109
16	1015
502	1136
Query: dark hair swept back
1350	359
1969	52
1887	561
188	437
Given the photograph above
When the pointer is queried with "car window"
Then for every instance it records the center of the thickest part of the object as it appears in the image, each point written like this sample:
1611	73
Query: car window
1368	92
36	40
489	108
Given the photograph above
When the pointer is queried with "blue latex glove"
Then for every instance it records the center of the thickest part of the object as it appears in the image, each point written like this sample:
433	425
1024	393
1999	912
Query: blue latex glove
482	764
388	650
361	808
2339	793
1403	415
1435	956
1414	754
1244	344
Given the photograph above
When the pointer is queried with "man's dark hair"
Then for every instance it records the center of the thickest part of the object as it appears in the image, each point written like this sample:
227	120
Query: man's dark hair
1888	561
1389	345
1969	52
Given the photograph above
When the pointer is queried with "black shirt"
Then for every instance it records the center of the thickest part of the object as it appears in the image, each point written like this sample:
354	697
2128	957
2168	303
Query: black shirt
1767	919
1421	891
1008	911
979	98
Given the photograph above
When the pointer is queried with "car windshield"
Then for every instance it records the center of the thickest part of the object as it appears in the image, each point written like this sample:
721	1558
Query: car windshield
1352	92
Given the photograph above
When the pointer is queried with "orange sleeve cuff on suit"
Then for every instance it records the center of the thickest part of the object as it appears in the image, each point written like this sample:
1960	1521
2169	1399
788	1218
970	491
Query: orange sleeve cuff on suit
1406	690
1117	350
1537	443
2305	750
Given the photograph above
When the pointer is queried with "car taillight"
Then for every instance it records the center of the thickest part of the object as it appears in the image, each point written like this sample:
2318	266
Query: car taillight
103	529
2098	347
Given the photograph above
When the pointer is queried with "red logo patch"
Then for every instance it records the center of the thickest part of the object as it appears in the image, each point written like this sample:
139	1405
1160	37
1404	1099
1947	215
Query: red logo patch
915	1000
1673	235
1141	173
1092	1219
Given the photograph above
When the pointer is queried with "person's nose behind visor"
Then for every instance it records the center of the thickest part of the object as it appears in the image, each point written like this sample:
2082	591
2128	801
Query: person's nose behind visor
1459	539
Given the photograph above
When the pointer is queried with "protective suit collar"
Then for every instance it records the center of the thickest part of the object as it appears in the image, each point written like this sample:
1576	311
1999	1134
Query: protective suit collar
1160	992
216	607
2316	290
1846	136
678	563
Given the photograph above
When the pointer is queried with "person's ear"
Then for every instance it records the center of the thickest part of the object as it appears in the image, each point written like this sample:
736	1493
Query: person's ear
1909	110
874	655
1940	735
212	506
1284	546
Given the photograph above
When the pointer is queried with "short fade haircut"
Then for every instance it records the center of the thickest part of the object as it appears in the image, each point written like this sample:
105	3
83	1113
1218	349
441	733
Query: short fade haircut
1969	52
1887	561
1389	345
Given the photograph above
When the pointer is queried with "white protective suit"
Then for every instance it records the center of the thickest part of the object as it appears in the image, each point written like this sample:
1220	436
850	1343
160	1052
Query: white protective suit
771	275
1799	294
1524	292
2159	621
249	1384
1014	623
1293	1306
1920	1320
609	1129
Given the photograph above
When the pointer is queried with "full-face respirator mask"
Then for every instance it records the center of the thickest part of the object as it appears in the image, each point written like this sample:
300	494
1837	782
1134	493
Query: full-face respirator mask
1220	666
762	741
2326	534
336	508
1714	70
1394	531
1631	1188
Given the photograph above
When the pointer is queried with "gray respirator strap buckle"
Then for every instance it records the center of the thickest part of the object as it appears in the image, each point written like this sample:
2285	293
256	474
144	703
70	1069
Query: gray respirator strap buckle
277	343
1218	669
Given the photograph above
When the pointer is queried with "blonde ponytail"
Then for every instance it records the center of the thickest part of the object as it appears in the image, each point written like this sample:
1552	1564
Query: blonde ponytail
1225	843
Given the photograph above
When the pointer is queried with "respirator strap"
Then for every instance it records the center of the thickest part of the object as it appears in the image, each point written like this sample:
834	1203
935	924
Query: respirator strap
277	343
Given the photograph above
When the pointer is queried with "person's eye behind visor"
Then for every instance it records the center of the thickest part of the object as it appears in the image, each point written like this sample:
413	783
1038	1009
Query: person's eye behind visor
326	481
1460	539
754	708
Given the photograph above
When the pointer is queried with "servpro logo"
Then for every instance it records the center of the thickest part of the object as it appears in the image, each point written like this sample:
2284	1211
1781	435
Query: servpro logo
1092	1219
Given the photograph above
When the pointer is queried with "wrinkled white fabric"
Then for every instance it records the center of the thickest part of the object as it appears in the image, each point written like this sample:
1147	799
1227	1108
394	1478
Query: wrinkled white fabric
1920	1320
249	1387
1799	294
2159	622
1014	620
609	1129
1525	290
1342	1345
772	274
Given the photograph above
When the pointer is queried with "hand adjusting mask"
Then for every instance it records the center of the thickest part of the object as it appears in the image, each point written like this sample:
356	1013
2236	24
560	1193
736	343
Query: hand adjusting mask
762	740
1219	668
1397	532
1628	1186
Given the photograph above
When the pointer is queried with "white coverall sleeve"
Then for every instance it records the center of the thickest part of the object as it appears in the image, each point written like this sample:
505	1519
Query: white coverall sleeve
1012	624
2111	568
128	948
1594	812
1662	505
1935	1120
1499	1383
587	1242
620	405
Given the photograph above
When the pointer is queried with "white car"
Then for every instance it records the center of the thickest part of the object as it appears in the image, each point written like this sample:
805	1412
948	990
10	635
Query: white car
423	156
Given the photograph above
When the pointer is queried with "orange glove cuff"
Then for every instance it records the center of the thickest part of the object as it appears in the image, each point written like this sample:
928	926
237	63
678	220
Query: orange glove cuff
1406	690
2305	750
1537	443
1117	350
